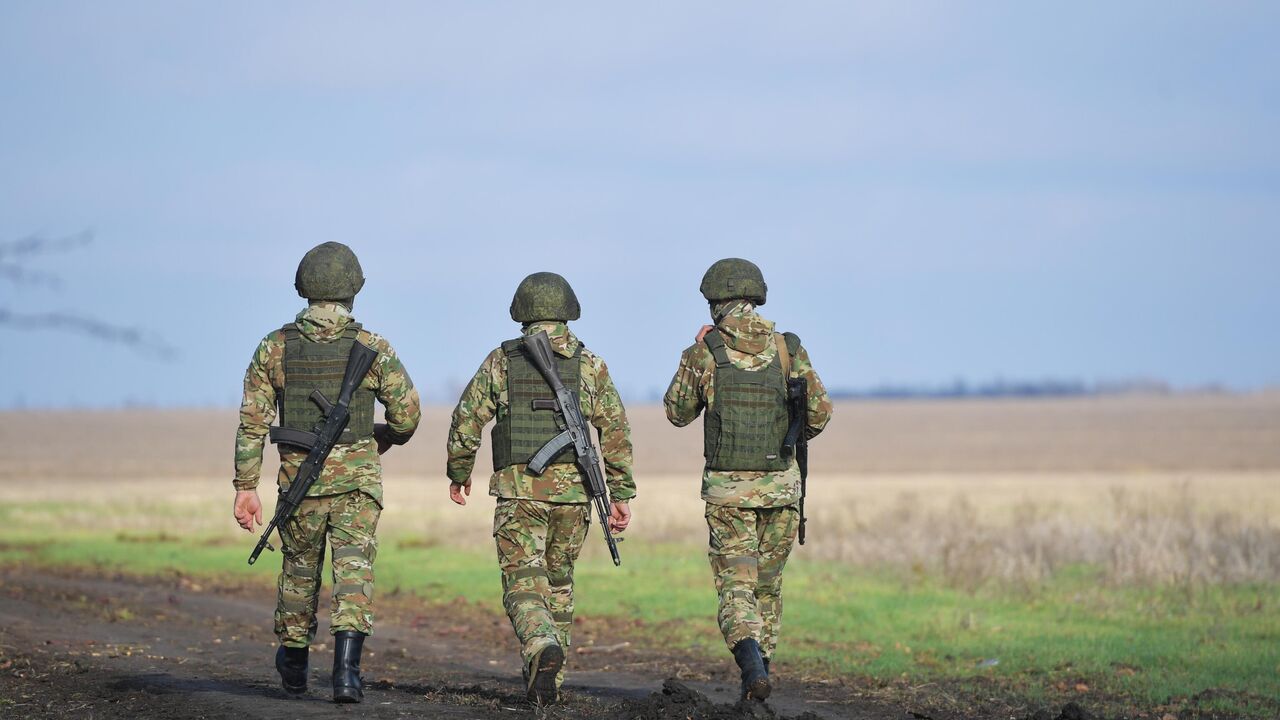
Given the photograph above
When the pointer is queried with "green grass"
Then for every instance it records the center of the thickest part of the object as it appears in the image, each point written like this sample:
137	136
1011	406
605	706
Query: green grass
1147	646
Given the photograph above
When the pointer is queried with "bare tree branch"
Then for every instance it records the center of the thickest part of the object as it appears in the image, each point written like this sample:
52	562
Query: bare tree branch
33	245
13	256
130	336
19	275
14	253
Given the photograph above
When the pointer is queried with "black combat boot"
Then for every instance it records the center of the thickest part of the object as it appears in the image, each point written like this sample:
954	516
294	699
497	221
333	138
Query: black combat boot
291	663
755	678
347	645
540	676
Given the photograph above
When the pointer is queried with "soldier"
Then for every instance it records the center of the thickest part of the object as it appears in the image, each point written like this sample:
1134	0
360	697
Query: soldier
738	371
344	503
540	521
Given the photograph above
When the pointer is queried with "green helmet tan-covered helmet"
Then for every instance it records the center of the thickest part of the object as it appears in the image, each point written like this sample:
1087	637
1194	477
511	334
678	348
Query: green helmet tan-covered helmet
544	296
734	278
329	271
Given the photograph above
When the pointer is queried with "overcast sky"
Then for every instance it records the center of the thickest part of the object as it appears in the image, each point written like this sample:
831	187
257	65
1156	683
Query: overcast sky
934	190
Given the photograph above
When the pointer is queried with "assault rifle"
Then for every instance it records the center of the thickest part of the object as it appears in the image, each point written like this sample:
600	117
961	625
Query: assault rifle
576	434
319	442
797	441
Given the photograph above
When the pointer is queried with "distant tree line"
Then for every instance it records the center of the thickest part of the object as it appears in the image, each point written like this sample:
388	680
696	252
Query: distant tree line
1003	388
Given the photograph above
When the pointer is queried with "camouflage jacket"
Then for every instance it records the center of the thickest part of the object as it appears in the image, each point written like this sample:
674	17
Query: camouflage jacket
349	467
750	341
485	398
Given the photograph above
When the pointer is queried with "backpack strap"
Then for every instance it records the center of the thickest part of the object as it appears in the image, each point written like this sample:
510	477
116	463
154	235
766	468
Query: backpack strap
784	354
788	345
715	343
291	334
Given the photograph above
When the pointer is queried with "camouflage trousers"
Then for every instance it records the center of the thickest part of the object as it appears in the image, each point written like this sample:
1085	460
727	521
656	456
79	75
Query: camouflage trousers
749	548
538	543
349	522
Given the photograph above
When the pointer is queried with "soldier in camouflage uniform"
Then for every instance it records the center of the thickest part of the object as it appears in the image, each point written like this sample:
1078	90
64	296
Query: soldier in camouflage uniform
737	372
344	503
540	521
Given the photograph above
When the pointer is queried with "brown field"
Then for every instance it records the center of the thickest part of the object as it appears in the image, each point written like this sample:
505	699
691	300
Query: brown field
1155	489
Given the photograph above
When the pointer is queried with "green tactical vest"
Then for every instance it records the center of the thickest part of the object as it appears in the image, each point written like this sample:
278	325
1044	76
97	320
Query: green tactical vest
522	431
745	427
320	366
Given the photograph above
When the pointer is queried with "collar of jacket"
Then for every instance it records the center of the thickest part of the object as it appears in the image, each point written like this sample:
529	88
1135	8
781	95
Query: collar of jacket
744	330
562	339
323	321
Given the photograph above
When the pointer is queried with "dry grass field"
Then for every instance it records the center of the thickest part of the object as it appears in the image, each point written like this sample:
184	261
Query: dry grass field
966	558
1177	489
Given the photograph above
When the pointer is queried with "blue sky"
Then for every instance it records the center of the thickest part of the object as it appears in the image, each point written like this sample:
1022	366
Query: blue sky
934	190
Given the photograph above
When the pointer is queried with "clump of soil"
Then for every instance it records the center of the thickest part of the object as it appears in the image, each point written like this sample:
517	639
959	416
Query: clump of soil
1070	711
677	700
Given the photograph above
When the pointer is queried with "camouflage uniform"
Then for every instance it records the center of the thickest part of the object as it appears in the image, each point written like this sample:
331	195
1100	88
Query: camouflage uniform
344	503
540	522
753	516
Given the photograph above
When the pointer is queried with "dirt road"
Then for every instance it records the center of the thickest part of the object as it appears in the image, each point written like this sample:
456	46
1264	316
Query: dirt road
89	645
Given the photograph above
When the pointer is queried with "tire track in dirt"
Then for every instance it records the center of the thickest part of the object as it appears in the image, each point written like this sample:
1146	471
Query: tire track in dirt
93	645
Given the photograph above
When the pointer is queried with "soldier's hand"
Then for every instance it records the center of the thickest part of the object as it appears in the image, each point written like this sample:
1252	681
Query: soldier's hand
380	435
456	492
703	332
248	508
619	516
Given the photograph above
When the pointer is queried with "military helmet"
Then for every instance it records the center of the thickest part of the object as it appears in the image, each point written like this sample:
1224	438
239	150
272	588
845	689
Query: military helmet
329	271
734	278
544	296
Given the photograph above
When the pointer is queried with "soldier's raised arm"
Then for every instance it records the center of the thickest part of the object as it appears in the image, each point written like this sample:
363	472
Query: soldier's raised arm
685	396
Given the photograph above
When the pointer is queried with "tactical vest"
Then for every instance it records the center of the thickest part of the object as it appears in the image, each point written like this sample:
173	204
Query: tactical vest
744	428
320	366
526	428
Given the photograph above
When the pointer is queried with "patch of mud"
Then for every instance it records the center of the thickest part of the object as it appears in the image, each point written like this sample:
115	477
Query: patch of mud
1070	711
677	700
